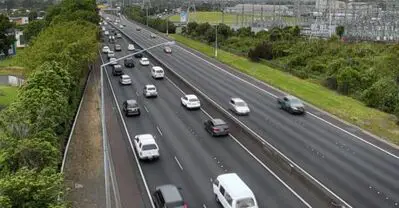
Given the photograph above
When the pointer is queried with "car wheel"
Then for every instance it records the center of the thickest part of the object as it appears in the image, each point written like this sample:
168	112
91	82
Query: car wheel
217	199
139	112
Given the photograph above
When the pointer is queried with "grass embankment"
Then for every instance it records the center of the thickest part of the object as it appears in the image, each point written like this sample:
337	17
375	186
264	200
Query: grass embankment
11	65
7	95
229	18
351	110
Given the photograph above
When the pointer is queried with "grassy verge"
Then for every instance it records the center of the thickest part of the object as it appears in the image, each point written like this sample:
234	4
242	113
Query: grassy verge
351	110
7	94
229	18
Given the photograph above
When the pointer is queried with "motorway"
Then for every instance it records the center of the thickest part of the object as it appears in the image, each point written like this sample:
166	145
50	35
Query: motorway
355	166
190	157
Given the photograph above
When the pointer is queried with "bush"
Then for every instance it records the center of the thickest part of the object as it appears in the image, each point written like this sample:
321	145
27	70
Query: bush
33	128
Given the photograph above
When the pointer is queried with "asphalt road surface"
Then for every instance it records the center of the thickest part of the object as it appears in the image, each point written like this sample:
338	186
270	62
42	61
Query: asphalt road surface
190	157
358	168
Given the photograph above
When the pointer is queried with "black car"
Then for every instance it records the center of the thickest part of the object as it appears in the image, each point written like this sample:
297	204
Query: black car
216	127
138	55
117	70
291	104
168	196
117	47
129	62
131	108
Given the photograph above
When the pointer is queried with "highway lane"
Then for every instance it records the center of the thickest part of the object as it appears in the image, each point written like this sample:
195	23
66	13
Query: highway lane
361	174
182	137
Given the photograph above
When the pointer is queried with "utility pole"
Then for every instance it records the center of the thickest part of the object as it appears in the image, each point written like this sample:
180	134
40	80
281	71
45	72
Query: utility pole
167	23
146	12
216	42
253	14
242	15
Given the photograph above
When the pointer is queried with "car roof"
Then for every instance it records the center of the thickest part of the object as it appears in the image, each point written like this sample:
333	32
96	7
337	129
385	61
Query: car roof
235	99
146	139
218	121
149	85
131	102
291	97
157	68
233	184
106	47
144	58
170	193
125	76
191	96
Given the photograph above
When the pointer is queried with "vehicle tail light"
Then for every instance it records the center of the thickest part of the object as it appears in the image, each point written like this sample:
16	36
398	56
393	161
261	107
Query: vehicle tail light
185	205
215	129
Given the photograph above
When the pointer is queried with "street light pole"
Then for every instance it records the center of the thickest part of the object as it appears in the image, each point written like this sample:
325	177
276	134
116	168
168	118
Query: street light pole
146	12
216	42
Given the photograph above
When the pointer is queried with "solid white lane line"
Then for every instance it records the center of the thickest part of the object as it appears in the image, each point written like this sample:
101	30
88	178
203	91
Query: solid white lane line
254	133
178	163
258	160
130	140
159	130
275	96
271	172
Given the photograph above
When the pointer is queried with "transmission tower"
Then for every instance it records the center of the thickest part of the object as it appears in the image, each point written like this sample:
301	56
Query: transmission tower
146	4
187	5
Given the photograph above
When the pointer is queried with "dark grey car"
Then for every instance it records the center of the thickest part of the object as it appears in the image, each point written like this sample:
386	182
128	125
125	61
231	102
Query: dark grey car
291	104
168	196
216	127
129	62
118	47
131	108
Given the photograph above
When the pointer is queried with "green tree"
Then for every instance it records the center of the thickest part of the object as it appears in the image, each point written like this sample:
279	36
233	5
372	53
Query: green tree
340	30
33	29
191	28
34	153
6	34
30	189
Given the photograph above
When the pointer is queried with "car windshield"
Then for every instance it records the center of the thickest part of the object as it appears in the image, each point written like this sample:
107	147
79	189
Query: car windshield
193	100
295	101
149	147
126	78
241	104
245	203
151	88
144	59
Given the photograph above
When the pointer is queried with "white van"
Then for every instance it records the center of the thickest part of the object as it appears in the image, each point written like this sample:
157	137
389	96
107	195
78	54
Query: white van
157	72
231	192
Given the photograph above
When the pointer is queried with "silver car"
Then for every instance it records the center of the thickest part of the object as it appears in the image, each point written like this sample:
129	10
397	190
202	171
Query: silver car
125	80
150	91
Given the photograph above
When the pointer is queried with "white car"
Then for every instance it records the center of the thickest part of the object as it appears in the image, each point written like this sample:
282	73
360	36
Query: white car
146	146
130	47
106	32
144	61
121	26
190	101
110	54
113	61
239	106
153	35
150	91
106	49
125	80
157	72
105	23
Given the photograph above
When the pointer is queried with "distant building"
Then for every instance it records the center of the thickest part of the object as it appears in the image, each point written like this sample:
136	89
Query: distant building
19	36
19	20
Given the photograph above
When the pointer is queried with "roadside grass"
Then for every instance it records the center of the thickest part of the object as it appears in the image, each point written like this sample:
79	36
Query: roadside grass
229	18
7	95
379	123
12	61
